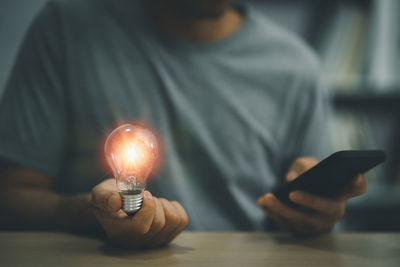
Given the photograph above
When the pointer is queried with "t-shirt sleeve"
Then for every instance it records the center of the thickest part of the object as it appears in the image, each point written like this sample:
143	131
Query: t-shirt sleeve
314	129
310	127
33	107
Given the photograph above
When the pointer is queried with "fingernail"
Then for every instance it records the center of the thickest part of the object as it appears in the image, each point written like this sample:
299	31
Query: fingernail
296	196
112	200
291	175
148	195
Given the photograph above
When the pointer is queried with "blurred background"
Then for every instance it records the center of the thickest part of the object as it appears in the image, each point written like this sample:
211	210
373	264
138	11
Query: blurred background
358	42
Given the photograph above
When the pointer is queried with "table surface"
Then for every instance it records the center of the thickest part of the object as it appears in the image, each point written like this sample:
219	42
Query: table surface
205	249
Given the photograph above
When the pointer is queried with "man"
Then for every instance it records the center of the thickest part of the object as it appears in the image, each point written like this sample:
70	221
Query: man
233	96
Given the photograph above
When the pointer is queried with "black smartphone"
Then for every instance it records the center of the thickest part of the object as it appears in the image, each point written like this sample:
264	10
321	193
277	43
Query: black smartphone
332	174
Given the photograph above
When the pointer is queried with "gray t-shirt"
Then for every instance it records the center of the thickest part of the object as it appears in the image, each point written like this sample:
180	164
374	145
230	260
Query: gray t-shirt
232	114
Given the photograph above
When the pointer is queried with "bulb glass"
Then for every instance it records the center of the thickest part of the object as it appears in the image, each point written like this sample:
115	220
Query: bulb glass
131	150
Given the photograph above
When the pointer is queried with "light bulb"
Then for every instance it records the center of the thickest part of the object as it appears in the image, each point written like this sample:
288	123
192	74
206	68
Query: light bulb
131	150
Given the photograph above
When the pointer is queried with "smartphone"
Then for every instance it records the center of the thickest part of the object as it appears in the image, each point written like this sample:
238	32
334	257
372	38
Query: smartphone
329	177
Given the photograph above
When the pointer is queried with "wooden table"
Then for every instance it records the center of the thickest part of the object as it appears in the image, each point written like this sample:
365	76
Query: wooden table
205	249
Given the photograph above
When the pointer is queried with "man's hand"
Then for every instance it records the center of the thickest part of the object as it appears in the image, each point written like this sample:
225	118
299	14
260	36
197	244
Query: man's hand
325	211
157	223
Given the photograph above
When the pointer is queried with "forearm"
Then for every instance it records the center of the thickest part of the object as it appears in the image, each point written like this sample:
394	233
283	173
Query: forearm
32	208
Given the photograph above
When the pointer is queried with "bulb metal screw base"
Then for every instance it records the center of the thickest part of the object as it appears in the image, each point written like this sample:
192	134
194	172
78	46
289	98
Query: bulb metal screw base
132	203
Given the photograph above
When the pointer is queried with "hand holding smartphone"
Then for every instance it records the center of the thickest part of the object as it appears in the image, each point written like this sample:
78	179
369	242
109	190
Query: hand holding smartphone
329	177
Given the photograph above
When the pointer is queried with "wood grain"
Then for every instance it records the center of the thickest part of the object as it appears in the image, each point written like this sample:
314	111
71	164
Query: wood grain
205	249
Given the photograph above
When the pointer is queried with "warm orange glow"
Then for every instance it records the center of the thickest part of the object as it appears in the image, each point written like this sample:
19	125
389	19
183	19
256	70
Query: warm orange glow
131	151
132	154
135	154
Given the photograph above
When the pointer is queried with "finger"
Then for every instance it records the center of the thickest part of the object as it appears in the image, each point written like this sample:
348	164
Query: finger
272	204
303	228
262	202
357	186
172	221
328	208
184	220
299	166
105	197
183	214
297	219
291	175
281	224
143	219
159	219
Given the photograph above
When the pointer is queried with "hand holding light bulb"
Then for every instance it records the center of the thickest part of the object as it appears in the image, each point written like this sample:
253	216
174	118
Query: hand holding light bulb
131	151
156	221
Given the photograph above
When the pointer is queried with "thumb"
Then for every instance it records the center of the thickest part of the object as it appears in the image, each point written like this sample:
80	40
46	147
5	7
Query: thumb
106	199
299	166
291	175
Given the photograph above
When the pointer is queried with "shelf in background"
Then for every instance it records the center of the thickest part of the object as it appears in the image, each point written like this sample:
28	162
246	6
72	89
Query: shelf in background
374	210
368	100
